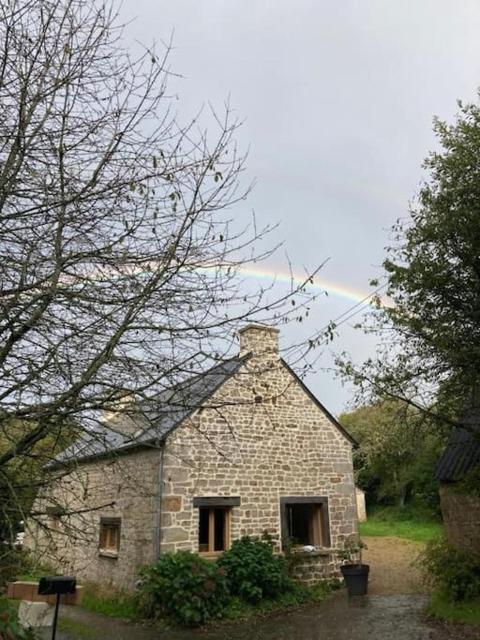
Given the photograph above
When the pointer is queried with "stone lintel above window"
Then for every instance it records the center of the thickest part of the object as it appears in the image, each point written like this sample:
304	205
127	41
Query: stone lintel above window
217	501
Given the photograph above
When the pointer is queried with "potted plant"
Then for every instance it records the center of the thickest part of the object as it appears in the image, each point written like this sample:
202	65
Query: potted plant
354	573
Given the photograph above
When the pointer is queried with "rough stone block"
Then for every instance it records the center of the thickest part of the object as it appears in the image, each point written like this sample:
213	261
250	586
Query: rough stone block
172	503
175	534
35	614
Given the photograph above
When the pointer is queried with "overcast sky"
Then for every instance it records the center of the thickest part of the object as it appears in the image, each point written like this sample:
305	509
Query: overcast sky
338	99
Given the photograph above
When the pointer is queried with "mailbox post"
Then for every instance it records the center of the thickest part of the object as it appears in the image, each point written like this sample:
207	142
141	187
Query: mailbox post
56	585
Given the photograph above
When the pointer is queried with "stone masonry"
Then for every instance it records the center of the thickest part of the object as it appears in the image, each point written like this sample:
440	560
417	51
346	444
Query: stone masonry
461	518
260	437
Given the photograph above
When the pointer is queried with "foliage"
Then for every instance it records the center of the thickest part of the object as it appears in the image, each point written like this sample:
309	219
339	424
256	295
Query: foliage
412	522
9	627
253	571
24	476
454	572
398	450
298	595
469	484
442	608
430	325
114	604
13	562
189	589
351	553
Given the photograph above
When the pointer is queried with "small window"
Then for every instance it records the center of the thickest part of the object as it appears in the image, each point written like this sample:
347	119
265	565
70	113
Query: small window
54	515
109	536
214	522
305	521
213	529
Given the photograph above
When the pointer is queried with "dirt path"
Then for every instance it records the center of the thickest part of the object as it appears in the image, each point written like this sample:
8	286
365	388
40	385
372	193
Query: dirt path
393	566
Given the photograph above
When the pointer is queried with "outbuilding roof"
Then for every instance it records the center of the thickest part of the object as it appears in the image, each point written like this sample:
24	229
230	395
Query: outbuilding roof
462	453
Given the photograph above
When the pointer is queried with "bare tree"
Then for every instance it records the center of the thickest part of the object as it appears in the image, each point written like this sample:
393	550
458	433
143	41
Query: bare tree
119	259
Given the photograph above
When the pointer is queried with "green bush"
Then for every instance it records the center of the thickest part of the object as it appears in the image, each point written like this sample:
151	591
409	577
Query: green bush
13	562
185	587
253	571
453	572
9	627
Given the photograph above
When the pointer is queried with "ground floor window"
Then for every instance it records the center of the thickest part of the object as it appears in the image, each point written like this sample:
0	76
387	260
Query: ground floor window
214	529
214	523
305	521
109	536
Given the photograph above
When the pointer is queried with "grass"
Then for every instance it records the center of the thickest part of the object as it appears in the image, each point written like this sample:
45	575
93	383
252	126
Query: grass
116	604
442	608
410	522
113	604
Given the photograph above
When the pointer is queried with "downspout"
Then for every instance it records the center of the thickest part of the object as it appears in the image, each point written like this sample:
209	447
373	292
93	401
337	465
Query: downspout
159	495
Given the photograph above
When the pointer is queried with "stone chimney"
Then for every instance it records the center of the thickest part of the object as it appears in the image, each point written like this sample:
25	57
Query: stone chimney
124	417
260	340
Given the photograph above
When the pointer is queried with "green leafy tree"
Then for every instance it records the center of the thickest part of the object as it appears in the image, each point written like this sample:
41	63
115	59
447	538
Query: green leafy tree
430	330
398	449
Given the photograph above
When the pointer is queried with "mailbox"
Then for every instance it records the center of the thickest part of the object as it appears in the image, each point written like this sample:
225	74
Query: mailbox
57	585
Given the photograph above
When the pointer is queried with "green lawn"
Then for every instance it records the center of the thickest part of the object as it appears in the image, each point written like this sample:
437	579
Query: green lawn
459	612
411	523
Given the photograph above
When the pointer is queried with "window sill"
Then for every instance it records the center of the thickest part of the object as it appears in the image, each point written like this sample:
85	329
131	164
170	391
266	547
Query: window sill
105	553
210	554
320	551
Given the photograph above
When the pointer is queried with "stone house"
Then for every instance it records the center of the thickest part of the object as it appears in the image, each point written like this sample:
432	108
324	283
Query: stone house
244	449
460	508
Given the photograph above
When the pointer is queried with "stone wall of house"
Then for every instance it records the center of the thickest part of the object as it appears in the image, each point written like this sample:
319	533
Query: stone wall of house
461	518
310	568
124	487
260	437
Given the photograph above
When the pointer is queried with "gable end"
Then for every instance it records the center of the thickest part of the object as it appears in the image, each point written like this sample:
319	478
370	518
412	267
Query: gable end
327	413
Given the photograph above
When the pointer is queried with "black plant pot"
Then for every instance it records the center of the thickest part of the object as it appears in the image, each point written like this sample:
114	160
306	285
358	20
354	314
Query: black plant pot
356	578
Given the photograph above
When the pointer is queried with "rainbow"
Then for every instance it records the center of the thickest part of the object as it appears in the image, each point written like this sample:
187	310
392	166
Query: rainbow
275	276
319	284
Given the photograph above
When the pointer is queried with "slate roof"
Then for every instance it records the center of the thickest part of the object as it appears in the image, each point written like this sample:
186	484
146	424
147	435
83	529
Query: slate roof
462	453
155	422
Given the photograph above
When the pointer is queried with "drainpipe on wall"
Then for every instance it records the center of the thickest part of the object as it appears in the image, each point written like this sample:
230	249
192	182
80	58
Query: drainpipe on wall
159	494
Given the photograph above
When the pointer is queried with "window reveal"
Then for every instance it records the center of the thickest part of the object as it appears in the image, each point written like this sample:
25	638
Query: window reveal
305	521
214	529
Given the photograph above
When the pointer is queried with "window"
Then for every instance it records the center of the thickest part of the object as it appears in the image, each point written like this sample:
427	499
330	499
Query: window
305	521
54	514
213	529
109	536
214	523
